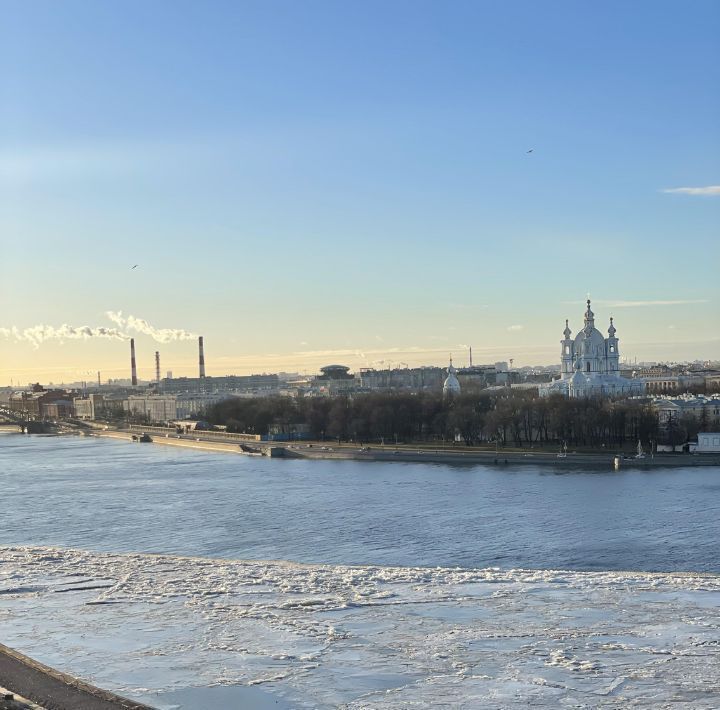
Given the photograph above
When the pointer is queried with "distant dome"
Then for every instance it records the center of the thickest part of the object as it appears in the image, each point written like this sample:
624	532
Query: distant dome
451	386
335	372
334	368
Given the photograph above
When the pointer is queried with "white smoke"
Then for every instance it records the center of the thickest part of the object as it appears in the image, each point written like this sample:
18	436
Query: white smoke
38	334
139	325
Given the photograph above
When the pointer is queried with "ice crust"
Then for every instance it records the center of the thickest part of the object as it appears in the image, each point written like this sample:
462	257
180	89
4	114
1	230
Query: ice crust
322	636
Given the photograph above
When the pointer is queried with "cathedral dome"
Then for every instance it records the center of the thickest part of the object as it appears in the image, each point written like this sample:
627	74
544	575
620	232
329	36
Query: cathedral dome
588	340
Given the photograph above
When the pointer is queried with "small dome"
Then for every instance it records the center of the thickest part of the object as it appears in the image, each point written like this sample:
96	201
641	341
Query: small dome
567	332
578	377
611	329
451	386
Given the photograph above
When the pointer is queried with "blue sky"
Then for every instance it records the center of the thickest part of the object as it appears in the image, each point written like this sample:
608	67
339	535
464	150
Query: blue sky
310	182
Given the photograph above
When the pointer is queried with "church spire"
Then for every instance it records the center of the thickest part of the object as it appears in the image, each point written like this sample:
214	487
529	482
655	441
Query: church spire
612	330
567	332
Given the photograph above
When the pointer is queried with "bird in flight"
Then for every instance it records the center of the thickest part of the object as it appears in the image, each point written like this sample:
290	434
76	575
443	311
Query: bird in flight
530	151
134	267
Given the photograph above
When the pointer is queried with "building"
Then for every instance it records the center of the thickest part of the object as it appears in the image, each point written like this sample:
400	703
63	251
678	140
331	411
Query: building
451	386
155	407
662	379
34	405
672	409
188	406
477	377
590	364
89	407
405	379
169	407
334	380
262	384
707	443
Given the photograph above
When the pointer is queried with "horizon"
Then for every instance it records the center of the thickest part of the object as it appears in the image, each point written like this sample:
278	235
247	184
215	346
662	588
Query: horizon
182	345
368	185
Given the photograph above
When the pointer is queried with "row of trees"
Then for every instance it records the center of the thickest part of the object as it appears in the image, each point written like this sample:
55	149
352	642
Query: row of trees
508	418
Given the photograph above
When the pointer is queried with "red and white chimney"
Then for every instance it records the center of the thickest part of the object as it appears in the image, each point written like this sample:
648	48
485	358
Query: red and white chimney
133	366
201	354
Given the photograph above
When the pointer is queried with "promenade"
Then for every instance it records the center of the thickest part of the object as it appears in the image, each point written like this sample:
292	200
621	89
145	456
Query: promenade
408	453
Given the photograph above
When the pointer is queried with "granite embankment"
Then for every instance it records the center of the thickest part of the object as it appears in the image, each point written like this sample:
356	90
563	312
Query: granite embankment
50	689
209	441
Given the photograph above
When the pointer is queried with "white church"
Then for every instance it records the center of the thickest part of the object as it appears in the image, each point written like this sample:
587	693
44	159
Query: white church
590	364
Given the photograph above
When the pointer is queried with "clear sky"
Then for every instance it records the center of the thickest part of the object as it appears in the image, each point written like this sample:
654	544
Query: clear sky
314	182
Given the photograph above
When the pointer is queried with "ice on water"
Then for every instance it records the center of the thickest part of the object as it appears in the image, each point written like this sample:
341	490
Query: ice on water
152	626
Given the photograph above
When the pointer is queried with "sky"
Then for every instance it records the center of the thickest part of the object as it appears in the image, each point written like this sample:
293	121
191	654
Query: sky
320	182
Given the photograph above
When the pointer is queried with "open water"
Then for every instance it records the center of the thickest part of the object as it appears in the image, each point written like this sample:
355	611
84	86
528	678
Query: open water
106	495
144	569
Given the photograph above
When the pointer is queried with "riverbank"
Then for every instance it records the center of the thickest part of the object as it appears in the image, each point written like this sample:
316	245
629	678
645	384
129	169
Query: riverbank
185	442
413	454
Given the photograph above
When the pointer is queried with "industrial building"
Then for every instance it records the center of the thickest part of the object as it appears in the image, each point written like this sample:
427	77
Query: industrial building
169	407
228	383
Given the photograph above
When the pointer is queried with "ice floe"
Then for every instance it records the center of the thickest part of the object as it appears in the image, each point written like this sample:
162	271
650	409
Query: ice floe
321	636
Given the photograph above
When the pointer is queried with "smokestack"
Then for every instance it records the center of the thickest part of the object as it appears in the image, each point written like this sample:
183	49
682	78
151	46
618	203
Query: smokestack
99	384
157	367
202	356
471	356
133	366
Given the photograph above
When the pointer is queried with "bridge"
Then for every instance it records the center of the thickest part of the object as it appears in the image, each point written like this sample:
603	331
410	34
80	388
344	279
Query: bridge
10	416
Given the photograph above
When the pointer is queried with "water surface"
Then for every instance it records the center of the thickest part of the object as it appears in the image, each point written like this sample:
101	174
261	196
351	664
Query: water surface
113	496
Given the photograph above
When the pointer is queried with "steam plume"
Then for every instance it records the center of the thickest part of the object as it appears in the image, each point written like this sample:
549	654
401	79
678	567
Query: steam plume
139	325
38	334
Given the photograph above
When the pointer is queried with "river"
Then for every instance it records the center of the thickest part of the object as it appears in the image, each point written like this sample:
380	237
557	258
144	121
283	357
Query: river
141	568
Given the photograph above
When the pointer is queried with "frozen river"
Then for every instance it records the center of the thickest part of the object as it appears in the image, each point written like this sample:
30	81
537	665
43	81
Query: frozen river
140	568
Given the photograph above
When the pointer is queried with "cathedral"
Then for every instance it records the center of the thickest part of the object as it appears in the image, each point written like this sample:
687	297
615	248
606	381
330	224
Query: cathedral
590	364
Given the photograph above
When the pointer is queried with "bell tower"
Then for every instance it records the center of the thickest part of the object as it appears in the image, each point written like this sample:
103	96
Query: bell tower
612	350
567	354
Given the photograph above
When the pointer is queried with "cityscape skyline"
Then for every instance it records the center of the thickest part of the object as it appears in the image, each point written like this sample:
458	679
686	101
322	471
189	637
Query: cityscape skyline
159	341
304	185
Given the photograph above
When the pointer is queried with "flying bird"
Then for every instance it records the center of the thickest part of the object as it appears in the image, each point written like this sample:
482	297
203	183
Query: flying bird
530	151
134	267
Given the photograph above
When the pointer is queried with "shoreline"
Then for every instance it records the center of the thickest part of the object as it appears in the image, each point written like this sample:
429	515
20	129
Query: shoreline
53	689
413	454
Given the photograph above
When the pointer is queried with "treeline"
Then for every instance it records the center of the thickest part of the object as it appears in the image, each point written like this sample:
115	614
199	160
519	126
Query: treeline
509	418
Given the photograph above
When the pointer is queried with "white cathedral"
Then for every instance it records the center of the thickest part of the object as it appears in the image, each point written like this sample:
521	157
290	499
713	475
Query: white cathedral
590	364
